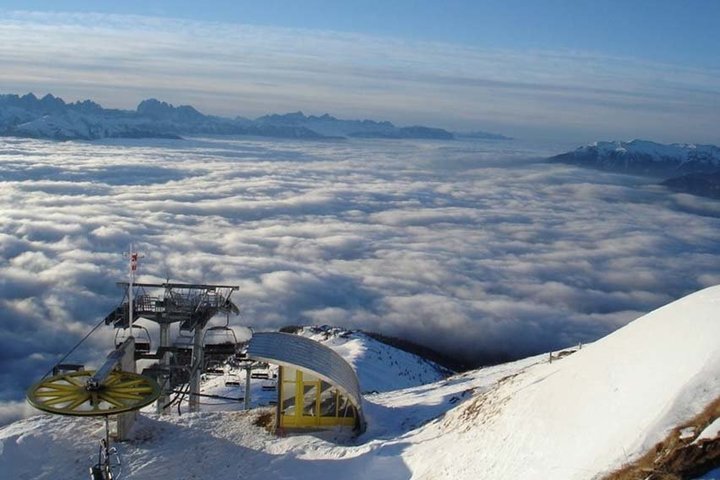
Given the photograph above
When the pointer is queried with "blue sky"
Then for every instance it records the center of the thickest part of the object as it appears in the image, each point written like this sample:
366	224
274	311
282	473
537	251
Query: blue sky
666	30
580	69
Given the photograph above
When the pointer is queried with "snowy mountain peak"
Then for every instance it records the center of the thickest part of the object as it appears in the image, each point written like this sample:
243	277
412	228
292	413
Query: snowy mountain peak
86	120
156	109
52	103
645	157
657	150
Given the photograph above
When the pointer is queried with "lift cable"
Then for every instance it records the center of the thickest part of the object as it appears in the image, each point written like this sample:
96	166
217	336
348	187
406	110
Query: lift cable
172	401
168	403
73	348
180	394
220	397
193	372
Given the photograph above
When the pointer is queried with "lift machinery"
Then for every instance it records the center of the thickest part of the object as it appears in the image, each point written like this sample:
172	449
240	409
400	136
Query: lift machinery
103	392
189	305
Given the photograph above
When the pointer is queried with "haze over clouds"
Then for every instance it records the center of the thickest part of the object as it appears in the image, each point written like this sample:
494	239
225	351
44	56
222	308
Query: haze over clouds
234	69
478	250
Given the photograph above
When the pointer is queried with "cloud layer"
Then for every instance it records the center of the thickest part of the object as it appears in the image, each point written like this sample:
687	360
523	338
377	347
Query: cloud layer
232	69
478	250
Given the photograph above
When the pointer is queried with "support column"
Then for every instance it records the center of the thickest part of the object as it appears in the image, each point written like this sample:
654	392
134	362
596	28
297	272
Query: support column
248	370
164	397
126	420
197	365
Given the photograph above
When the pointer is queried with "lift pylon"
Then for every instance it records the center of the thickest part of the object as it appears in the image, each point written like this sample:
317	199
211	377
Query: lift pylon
189	305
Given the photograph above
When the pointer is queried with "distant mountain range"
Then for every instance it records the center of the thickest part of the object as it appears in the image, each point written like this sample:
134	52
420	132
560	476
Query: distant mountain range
50	117
329	126
685	168
480	135
644	157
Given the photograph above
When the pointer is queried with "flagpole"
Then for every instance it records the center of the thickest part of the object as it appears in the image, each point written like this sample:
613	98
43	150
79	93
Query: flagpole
133	266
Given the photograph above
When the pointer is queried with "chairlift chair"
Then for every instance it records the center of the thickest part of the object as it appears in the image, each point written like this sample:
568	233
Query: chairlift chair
220	340
142	338
182	348
214	368
67	367
183	342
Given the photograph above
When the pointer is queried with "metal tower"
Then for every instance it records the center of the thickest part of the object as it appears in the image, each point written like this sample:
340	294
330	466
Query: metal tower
190	305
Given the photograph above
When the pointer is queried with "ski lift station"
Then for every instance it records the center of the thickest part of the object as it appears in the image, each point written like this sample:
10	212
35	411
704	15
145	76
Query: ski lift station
316	386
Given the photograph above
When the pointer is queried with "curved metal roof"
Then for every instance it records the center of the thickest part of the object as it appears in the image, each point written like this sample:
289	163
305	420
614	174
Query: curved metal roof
295	351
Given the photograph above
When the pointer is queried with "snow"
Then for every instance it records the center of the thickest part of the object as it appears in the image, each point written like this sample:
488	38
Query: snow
52	118
217	385
648	156
379	366
578	417
591	412
711	432
655	150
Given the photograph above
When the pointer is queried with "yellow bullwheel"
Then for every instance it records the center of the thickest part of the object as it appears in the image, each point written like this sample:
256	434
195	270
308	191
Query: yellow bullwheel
73	394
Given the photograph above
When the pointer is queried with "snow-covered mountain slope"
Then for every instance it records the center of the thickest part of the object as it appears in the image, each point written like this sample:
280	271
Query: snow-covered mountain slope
81	126
577	417
223	444
28	116
380	367
644	157
590	412
50	117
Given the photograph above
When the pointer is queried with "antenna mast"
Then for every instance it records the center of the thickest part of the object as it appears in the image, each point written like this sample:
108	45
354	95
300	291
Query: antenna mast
133	256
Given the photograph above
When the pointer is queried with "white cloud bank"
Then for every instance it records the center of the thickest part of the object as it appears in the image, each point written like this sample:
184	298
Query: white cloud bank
233	70
472	249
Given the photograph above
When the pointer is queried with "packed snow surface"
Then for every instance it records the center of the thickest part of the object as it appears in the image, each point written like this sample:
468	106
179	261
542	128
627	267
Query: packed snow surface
578	416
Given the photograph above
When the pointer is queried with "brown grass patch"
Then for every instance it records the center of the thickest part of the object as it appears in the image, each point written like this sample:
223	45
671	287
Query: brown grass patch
674	458
265	420
484	406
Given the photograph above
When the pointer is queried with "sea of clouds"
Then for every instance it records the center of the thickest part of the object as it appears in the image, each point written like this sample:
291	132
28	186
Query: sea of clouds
479	250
